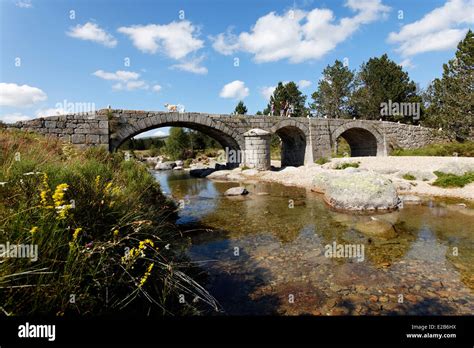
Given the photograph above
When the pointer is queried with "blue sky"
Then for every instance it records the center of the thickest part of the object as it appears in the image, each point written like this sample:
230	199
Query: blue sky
184	52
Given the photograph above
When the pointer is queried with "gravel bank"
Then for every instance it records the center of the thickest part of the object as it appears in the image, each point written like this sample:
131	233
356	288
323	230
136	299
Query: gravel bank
391	167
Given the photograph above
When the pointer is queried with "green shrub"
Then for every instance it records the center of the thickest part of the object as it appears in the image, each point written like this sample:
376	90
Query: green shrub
465	149
187	162
322	160
345	165
451	180
408	176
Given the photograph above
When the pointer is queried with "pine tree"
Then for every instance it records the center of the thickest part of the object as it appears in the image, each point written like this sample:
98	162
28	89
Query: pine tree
334	91
240	109
379	81
287	93
450	99
177	143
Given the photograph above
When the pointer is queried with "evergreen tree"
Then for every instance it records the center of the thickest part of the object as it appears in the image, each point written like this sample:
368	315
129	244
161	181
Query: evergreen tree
287	93
334	92
379	81
177	143
450	99
240	109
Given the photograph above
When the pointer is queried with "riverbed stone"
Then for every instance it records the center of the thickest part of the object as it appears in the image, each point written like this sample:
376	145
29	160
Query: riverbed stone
357	191
236	191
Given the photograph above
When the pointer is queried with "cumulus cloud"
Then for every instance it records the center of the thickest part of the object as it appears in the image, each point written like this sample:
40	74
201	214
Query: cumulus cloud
441	29
50	112
92	32
304	83
119	75
156	88
15	95
126	80
15	117
176	39
130	85
267	91
192	65
407	64
234	90
24	4
299	35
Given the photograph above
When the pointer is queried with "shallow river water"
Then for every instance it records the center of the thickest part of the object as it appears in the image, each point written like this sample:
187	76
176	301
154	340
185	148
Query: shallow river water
281	250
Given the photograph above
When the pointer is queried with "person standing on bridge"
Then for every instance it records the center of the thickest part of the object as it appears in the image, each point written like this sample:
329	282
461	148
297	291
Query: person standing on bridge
272	108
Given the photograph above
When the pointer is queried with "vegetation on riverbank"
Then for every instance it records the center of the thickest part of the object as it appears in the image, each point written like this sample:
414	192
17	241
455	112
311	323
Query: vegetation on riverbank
105	233
465	149
452	180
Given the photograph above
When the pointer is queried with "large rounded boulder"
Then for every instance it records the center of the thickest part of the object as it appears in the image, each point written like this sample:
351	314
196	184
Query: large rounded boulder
356	191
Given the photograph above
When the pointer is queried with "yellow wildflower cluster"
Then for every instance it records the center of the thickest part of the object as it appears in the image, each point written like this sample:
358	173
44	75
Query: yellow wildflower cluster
97	181
115	233
136	252
146	275
34	229
59	202
45	190
76	233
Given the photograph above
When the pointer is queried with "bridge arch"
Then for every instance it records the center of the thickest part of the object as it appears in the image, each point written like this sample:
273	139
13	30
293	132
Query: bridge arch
126	127
294	142
364	139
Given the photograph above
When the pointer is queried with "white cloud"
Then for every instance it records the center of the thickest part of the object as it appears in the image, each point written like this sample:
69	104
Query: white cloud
92	32
407	64
119	75
304	83
156	88
235	90
15	95
15	117
299	35
175	40
130	85
24	4
441	29
267	91
192	66
50	112
127	80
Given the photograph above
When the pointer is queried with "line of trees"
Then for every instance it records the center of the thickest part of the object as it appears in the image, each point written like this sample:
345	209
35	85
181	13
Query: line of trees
382	90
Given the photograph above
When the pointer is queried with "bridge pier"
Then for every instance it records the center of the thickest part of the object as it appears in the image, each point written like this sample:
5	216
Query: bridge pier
257	149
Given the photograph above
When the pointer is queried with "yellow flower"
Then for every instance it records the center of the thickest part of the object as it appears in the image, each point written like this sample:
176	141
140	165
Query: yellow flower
144	243
59	192
76	233
107	187
97	181
34	229
146	275
115	232
44	191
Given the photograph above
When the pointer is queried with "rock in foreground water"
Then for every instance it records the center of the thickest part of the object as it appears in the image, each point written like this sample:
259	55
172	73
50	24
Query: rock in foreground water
357	191
236	191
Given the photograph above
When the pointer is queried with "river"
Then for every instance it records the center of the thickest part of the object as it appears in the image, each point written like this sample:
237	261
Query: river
282	251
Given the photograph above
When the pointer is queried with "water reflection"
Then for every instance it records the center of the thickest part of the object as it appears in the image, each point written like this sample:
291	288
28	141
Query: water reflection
261	248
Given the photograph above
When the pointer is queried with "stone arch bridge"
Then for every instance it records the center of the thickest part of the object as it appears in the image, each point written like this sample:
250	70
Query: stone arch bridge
303	140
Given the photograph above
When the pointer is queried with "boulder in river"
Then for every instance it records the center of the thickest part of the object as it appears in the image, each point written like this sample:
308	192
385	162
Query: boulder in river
236	191
376	228
165	165
357	191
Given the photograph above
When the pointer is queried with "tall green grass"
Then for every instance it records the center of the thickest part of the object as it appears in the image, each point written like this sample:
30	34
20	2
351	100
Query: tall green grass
103	230
465	149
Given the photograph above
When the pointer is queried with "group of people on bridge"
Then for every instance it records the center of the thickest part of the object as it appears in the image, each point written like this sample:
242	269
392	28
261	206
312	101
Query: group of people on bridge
287	109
